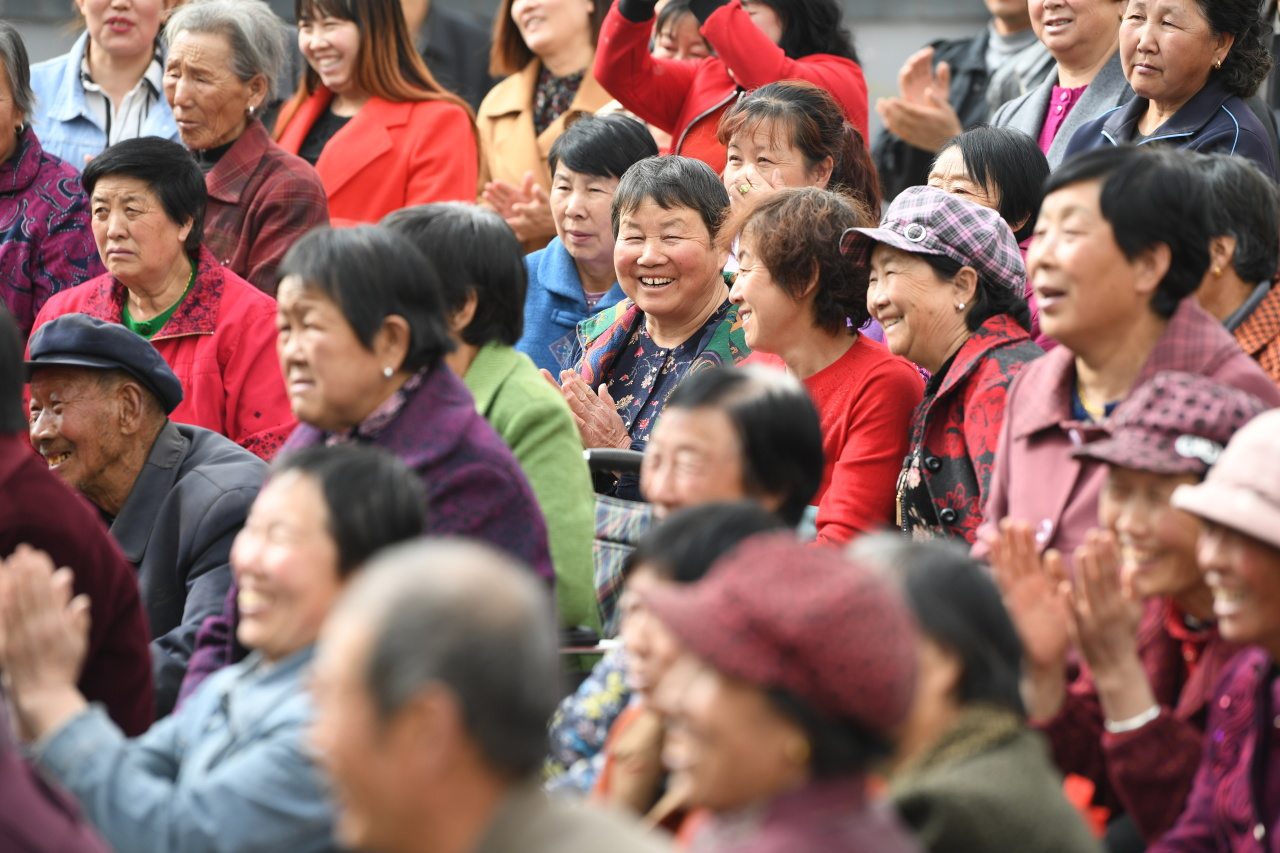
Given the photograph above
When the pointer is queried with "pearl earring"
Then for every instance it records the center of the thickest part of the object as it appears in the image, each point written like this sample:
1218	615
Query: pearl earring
960	306
387	372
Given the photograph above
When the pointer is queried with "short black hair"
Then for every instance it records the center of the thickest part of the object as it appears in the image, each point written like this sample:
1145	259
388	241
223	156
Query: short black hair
672	182
1011	163
1149	196
473	251
1244	204
990	299
777	425
1249	61
371	274
684	547
603	146
374	499
169	171
13	375
812	26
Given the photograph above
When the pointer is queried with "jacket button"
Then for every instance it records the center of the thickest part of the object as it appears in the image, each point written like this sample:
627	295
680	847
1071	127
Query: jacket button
948	516
933	463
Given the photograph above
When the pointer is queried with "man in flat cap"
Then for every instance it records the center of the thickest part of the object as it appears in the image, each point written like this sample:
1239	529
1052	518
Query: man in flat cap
173	495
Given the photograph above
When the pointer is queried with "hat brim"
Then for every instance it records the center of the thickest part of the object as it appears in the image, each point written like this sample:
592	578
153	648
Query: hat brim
1112	451
69	359
856	243
1232	506
696	614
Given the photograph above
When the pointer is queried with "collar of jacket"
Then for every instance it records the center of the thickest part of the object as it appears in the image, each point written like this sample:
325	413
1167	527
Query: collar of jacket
559	274
980	728
996	333
1262	326
1189	120
1193	342
230	175
20	170
515	99
132	527
197	315
72	104
489	369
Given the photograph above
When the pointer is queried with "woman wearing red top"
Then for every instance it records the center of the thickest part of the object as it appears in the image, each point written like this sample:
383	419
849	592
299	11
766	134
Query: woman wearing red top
800	301
381	132
756	43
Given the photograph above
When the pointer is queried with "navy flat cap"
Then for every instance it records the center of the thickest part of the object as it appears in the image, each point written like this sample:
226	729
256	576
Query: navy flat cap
78	340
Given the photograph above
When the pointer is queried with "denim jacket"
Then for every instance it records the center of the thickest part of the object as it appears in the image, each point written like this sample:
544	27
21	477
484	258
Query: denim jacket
66	126
227	772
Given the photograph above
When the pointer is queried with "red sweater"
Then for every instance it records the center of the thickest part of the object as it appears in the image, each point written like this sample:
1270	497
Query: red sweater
864	401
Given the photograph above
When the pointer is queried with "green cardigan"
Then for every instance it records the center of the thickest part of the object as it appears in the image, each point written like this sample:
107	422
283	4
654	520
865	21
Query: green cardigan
536	423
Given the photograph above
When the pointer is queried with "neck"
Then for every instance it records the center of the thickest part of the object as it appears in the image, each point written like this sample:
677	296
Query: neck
460	359
672	332
1196	602
957	339
1009	26
923	729
570	58
1222	295
817	350
146	302
596	276
1074	72
1106	371
111	494
117	75
347	104
415	14
459	814
1158	113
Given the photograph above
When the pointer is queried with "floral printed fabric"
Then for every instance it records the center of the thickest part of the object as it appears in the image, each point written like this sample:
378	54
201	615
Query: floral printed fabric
552	97
581	724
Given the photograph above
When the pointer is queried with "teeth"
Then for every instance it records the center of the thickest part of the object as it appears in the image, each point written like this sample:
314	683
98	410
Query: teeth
248	599
655	282
1137	556
55	459
1226	596
885	324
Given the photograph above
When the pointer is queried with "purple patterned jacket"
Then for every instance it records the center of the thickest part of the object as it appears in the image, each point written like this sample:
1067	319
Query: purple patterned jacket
46	244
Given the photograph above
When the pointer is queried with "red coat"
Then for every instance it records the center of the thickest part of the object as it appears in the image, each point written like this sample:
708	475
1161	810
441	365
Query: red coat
390	155
222	344
687	97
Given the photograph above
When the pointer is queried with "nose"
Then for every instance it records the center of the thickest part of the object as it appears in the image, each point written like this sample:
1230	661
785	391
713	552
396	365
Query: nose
116	225
43	426
576	208
877	297
735	292
657	485
1209	548
651	254
181	91
1133	520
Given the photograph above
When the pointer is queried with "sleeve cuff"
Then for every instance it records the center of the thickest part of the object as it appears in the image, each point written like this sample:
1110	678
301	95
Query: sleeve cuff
637	11
62	750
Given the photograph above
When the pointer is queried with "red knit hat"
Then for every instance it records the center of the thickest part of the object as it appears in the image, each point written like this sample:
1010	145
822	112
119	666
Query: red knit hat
779	614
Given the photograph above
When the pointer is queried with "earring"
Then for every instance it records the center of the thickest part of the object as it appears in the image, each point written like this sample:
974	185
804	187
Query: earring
960	306
1217	271
1218	65
252	110
387	372
797	751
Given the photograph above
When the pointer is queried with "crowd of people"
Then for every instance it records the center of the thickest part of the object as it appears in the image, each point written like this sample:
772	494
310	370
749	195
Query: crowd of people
587	437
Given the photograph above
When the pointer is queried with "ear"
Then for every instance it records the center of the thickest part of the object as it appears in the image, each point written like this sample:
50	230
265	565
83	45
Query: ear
257	90
1152	266
391	344
1225	42
132	407
965	286
462	318
810	289
1222	251
185	230
821	173
428	729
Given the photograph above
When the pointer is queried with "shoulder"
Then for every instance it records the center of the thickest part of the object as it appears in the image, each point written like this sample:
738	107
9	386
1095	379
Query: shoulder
218	461
240	299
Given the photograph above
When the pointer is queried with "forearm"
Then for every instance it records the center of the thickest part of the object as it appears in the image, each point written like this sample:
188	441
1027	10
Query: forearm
1123	689
1044	691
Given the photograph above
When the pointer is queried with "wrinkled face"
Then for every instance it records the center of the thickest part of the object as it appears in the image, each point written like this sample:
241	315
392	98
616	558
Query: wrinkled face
137	240
1244	575
1068	27
209	101
764	155
950	175
764	17
1157	542
124	28
75	427
549	25
332	49
915	306
651	647
666	262
681	40
727	739
772	320
285	562
333	380
1168	49
1083	282
580	206
693	457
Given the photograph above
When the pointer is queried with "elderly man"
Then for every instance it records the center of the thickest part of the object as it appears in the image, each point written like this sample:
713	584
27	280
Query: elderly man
173	495
433	682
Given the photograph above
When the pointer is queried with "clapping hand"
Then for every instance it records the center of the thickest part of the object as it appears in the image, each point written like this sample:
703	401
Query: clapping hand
922	116
526	208
594	412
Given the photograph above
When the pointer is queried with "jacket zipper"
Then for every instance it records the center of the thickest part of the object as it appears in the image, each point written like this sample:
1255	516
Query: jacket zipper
736	93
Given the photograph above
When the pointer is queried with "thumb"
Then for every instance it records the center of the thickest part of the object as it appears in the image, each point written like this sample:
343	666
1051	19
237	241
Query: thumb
776	180
527	184
539	194
603	393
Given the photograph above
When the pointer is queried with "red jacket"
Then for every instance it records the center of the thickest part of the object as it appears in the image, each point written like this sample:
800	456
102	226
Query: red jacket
390	155
687	97
222	344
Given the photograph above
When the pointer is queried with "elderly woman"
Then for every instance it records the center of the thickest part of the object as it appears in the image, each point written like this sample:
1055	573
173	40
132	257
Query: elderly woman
1244	217
44	213
755	43
573	277
381	132
1192	64
1082	36
763	731
1232	805
800	301
224	58
676	319
1132	721
947	284
1122	239
229	770
481	274
108	87
215	330
968	773
544	54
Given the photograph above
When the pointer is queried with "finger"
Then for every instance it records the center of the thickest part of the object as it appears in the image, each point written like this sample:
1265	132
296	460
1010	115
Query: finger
604	396
942	73
776	180
1055	567
527	184
540	195
62	587
546	374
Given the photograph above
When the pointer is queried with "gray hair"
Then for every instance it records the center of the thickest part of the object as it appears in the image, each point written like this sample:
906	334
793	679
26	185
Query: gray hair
18	68
670	182
463	615
259	39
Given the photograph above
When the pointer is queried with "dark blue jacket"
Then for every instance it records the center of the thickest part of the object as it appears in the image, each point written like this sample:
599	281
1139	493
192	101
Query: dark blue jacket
1213	121
554	306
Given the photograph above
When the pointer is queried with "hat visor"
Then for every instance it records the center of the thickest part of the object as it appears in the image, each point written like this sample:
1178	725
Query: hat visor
1113	451
699	617
71	359
1234	507
856	243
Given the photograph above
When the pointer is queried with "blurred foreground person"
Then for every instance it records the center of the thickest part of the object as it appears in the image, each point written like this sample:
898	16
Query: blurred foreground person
433	683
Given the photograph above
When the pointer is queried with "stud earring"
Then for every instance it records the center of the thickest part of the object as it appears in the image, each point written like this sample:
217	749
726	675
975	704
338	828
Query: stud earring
1217	271
387	372
960	306
252	110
